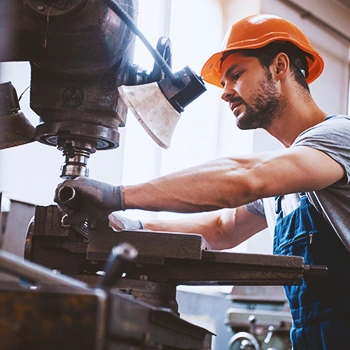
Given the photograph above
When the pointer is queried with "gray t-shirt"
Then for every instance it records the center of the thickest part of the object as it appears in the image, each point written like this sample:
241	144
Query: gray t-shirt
332	137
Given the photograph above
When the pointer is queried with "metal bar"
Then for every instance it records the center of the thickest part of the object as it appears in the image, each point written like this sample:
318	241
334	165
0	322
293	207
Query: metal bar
16	266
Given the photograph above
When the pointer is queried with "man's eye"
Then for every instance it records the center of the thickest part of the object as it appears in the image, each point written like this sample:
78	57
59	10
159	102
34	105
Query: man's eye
232	77
235	76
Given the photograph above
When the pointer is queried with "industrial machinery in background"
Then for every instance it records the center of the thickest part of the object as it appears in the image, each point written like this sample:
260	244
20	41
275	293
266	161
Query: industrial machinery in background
83	80
259	318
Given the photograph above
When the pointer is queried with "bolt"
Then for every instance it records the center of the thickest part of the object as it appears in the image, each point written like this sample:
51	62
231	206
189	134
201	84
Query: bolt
72	96
108	81
40	7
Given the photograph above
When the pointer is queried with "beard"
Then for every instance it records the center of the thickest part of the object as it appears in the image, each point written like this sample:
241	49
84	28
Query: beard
265	108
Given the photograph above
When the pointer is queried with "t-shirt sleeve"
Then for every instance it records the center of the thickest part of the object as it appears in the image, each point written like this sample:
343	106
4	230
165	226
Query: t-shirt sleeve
332	137
256	208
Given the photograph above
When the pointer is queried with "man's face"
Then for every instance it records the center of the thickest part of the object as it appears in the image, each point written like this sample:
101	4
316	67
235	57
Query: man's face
250	91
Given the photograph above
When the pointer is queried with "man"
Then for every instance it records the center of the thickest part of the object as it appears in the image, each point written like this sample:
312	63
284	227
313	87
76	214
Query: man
301	191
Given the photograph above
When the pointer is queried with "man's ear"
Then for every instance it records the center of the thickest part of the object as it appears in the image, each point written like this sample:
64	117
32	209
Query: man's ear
280	66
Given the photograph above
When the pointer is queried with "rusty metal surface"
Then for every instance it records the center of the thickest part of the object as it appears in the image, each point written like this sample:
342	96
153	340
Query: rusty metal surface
59	318
50	320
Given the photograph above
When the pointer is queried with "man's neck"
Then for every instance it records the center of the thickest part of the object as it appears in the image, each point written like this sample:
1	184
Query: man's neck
298	115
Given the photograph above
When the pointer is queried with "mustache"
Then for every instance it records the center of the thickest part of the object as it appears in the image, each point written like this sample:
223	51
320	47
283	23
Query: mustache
237	99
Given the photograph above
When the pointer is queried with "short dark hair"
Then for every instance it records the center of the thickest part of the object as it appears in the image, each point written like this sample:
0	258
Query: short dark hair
266	55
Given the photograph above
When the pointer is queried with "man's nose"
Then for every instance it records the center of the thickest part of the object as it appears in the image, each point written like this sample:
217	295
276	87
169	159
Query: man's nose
228	93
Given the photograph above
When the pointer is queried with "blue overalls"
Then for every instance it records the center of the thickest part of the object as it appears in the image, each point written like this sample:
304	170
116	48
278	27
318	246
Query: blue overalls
320	306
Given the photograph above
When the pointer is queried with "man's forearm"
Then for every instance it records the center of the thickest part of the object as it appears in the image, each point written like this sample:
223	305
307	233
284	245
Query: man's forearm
213	226
222	229
215	185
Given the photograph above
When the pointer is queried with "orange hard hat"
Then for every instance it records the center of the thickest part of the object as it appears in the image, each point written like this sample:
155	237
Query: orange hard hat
257	31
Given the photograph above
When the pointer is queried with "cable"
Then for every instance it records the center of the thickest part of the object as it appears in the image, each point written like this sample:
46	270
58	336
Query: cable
114	6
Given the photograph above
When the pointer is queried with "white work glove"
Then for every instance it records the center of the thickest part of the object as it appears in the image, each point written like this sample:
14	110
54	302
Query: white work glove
120	223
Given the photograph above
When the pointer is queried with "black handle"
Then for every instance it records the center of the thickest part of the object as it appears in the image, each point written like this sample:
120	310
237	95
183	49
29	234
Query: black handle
117	263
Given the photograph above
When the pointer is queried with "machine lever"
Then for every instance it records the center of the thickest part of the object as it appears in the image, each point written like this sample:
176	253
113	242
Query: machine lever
117	263
314	270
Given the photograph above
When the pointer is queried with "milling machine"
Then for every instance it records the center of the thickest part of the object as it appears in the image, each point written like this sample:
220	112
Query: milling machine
82	99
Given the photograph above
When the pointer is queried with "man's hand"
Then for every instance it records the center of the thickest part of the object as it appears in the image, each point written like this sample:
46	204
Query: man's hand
83	197
120	223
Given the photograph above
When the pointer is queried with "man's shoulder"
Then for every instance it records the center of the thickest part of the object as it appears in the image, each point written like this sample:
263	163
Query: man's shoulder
334	127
